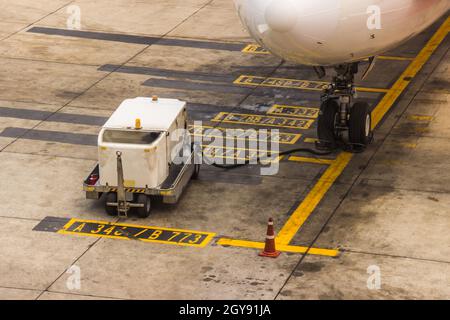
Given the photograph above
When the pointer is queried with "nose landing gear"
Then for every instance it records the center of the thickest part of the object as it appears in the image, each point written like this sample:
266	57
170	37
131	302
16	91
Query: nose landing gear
341	122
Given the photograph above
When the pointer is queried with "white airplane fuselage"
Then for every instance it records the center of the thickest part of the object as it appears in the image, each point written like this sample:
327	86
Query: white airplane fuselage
331	32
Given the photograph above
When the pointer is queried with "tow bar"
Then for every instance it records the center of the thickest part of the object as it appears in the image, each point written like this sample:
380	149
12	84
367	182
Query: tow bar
122	204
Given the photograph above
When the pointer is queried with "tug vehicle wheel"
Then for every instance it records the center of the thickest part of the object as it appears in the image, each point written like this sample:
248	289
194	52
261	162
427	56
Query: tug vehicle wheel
111	197
143	212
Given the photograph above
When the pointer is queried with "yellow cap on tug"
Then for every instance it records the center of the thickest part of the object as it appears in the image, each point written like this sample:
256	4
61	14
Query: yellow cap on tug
137	124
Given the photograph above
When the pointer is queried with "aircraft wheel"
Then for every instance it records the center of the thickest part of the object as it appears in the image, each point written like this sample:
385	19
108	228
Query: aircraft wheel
196	171
360	124
111	197
143	212
326	123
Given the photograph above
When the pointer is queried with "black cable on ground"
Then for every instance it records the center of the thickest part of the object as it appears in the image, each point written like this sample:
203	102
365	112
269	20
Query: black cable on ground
284	153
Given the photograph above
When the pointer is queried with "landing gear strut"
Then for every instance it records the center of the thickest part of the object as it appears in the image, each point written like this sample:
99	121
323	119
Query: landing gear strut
343	122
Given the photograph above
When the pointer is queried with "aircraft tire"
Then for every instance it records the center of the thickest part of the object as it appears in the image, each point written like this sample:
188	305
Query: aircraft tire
360	124
326	123
196	172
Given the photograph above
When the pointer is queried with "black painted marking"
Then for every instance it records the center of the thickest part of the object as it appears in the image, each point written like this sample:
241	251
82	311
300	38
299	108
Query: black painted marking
124	231
228	88
223	177
266	92
143	233
52	136
191	75
78	119
116	37
200	86
30	114
196	111
144	40
189	80
24	113
51	224
256	119
204	112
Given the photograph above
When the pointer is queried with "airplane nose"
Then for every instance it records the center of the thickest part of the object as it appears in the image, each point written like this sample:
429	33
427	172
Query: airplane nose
281	15
296	30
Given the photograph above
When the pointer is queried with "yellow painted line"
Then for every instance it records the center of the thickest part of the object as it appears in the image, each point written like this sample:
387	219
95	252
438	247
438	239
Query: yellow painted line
280	247
304	210
416	117
253	154
131	225
395	58
311	160
411	71
373	90
409	145
234	148
281	137
201	238
311	140
249	80
421	130
313	198
262	120
257	49
238	153
294	111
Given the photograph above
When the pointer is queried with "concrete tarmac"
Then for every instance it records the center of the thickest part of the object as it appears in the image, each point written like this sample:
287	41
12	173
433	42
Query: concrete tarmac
343	221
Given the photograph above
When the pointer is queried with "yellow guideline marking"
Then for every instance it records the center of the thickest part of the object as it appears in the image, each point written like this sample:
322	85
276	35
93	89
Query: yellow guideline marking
409	145
281	247
239	154
262	120
313	198
311	160
410	72
234	148
138	232
236	153
242	134
416	117
395	58
294	111
257	49
248	80
311	140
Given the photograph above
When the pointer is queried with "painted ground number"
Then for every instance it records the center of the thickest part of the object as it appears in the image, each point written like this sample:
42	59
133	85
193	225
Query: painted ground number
141	233
262	120
294	111
242	134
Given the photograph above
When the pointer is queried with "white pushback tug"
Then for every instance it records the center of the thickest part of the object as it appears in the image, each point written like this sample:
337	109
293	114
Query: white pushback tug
136	147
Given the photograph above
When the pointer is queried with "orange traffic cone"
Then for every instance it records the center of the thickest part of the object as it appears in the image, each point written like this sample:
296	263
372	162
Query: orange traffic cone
269	248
